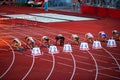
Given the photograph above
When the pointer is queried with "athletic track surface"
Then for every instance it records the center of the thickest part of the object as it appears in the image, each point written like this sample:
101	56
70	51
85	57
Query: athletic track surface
101	64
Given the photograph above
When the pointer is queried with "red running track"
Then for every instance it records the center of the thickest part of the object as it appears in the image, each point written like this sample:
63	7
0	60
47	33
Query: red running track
102	64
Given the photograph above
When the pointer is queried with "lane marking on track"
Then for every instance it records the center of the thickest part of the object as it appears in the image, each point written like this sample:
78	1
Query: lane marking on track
113	58
30	69
13	59
53	66
96	65
109	76
110	68
74	69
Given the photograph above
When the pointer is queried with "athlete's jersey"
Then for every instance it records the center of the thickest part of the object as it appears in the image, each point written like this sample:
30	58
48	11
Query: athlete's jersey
16	42
74	35
30	39
89	35
45	38
102	33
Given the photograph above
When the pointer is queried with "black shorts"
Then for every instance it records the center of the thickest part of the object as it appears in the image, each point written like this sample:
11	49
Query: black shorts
60	38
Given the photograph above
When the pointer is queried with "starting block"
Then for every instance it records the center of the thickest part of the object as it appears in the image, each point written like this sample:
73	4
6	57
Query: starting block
84	46
36	51
67	48
96	45
53	49
111	43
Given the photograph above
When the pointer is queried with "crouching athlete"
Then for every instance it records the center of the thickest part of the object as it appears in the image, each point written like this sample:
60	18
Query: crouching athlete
116	35
46	41
76	38
102	36
60	38
89	37
16	43
30	42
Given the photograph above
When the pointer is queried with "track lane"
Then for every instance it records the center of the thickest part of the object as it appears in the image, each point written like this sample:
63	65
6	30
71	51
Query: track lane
13	59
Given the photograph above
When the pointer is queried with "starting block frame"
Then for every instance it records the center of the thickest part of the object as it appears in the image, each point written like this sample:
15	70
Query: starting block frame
67	48
53	49
96	45
111	43
36	51
84	46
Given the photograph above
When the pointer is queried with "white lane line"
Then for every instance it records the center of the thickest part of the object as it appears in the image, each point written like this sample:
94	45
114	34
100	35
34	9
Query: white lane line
76	67
104	56
13	59
113	58
53	66
110	68
74	63
33	61
84	57
109	76
96	76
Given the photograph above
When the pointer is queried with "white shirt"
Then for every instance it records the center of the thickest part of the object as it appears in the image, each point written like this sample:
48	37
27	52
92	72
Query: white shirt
89	35
74	35
101	32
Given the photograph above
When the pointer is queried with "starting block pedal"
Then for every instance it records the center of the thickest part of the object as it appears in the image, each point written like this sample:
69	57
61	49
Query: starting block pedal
67	48
96	45
53	49
111	43
36	51
84	46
